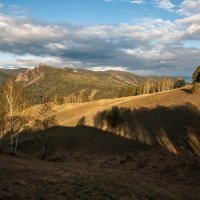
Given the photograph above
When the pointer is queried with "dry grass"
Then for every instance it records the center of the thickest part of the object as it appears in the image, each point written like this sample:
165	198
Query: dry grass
69	114
161	118
134	176
89	163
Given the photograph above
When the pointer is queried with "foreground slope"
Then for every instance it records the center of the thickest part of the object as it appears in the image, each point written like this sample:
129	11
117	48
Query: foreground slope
132	176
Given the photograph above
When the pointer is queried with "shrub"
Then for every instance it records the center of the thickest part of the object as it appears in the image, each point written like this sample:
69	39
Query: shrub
195	87
60	100
113	116
196	75
179	83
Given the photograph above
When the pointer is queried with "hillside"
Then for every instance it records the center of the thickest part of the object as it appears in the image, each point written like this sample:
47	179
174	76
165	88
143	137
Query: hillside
152	154
76	85
168	119
44	83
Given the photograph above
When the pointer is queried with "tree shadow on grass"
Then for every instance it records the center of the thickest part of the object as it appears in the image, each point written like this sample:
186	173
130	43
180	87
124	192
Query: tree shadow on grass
187	91
84	139
176	128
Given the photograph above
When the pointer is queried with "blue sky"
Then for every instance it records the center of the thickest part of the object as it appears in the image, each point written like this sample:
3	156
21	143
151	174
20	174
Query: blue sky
89	11
142	36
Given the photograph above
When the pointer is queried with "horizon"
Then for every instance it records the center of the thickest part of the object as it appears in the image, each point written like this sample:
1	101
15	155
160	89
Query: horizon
156	37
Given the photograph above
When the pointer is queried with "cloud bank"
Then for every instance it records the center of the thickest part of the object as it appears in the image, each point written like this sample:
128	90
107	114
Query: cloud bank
147	45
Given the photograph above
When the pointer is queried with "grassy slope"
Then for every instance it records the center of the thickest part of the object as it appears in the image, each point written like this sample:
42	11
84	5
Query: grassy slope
88	163
133	177
69	114
170	119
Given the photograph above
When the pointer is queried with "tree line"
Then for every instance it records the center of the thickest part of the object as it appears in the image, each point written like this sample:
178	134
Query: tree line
151	86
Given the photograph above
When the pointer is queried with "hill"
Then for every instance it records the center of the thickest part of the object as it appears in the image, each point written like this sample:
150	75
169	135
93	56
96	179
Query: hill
45	83
168	119
77	85
152	154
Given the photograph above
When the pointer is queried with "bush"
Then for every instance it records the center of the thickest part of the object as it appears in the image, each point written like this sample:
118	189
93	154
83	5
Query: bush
60	100
195	87
179	83
196	75
113	116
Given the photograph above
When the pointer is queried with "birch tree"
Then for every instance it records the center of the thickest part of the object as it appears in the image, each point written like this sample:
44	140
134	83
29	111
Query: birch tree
46	119
2	129
13	102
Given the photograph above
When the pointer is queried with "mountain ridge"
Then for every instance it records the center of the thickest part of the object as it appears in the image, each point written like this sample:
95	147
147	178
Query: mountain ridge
46	83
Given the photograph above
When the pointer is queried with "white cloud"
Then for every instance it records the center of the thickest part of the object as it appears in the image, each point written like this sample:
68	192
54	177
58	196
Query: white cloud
137	1
189	7
146	45
190	20
127	1
191	25
30	61
165	4
17	10
21	30
106	68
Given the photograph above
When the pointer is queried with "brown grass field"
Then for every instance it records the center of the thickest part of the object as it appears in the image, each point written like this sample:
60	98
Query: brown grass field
153	154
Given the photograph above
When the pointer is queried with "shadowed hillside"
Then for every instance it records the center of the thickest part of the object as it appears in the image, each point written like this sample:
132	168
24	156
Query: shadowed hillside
88	140
87	163
176	128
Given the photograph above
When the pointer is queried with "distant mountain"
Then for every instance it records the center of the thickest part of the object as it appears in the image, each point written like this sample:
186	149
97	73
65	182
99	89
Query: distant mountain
45	83
12	72
4	73
2	77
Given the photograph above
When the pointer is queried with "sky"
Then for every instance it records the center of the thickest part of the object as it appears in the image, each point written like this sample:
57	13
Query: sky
146	37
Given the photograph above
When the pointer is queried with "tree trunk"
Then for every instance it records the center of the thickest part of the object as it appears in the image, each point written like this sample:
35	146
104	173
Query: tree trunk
1	144
44	151
11	135
44	148
16	143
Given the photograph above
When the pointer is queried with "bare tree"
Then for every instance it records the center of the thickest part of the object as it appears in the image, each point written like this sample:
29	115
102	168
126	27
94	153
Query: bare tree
2	129
13	102
46	119
20	123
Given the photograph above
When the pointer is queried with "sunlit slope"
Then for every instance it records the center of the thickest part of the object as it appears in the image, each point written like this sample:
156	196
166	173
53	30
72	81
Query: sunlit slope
70	114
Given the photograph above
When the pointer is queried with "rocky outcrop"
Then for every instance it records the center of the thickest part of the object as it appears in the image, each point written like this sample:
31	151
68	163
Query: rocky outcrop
30	75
